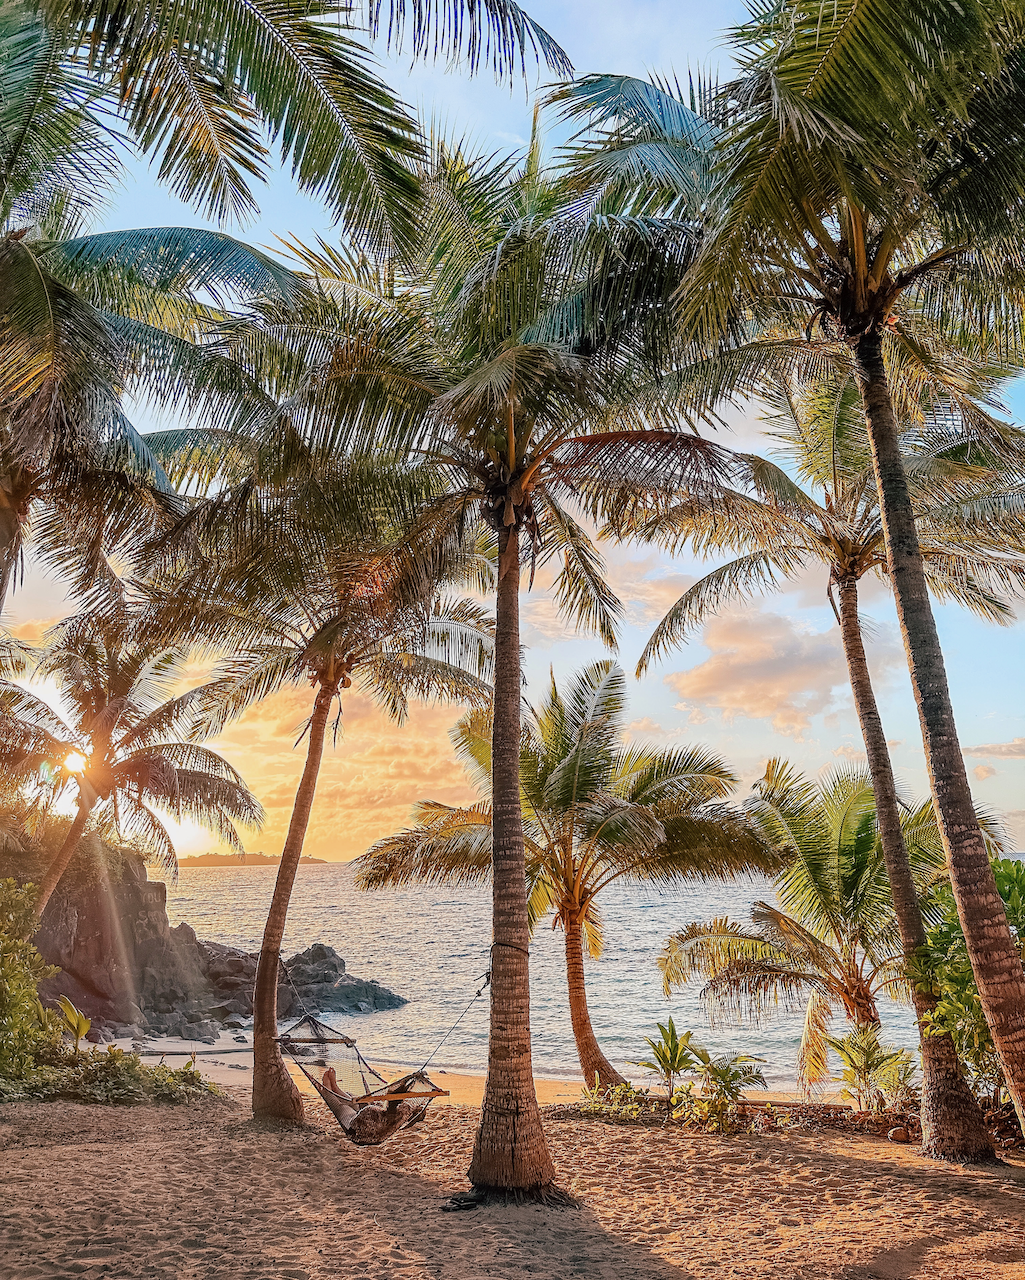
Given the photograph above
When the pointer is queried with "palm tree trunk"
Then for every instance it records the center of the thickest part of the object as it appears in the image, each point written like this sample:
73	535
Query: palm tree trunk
952	1123
274	1091
62	858
593	1062
510	1152
995	961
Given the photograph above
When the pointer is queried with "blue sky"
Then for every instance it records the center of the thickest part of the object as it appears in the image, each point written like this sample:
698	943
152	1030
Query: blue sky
762	681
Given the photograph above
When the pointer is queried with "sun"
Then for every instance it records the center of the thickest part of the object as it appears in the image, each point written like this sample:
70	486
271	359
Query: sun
76	762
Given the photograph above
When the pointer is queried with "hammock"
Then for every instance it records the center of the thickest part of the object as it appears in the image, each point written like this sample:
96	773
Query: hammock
367	1113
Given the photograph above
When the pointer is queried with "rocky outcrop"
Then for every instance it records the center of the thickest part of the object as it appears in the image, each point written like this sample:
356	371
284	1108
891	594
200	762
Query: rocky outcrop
121	963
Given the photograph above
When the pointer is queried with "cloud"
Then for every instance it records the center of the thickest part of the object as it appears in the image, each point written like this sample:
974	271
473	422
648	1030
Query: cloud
32	630
984	771
648	729
1013	750
849	752
764	667
367	784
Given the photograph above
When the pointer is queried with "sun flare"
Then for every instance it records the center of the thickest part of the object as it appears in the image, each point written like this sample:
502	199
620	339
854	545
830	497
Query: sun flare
76	762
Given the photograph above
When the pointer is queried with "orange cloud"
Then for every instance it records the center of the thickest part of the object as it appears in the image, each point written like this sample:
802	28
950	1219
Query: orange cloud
32	630
984	771
764	667
368	782
1013	750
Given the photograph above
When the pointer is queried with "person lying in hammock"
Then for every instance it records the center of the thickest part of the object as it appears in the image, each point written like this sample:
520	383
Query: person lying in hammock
370	1123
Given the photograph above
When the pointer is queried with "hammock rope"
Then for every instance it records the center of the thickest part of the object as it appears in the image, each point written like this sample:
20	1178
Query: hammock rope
401	1091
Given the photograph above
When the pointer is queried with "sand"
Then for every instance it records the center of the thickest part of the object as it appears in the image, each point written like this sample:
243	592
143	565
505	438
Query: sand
203	1193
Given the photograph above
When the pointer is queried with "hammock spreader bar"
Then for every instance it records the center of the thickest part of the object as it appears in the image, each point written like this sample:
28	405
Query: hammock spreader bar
390	1091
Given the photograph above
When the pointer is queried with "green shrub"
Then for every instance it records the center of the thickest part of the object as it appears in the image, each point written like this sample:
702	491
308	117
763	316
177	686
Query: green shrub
944	968
35	1060
111	1076
27	1031
876	1076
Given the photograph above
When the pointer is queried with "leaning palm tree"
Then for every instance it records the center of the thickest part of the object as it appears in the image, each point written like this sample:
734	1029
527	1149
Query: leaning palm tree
594	813
779	529
871	197
832	942
297	603
115	746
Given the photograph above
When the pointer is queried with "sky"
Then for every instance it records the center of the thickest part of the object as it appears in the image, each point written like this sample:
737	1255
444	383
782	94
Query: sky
761	681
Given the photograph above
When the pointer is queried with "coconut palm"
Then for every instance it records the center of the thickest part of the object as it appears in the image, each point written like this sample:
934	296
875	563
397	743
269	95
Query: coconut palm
201	88
594	813
832	942
464	364
780	529
115	746
297	600
852	196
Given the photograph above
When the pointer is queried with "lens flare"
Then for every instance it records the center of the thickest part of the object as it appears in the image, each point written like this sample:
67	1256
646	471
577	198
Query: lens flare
76	762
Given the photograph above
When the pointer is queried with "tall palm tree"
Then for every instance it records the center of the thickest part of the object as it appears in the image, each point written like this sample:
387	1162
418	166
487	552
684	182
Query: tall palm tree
831	944
594	813
115	745
780	529
875	192
296	601
465	364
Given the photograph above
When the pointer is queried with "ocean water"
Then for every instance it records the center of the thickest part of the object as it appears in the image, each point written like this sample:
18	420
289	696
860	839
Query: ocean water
430	945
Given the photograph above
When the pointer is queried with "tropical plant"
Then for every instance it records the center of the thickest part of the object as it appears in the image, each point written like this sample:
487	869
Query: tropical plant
780	528
297	600
671	1057
946	972
74	1021
115	746
831	944
27	1032
465	363
594	813
874	1075
861	215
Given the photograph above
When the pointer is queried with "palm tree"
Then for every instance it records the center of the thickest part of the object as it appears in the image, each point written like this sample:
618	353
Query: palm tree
887	186
298	601
594	813
115	744
831	943
465	364
780	529
201	88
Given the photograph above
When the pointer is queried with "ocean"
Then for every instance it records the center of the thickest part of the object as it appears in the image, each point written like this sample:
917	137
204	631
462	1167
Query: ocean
430	945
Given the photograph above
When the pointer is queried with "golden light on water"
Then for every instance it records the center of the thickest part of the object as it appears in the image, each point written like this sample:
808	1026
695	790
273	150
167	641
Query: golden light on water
75	762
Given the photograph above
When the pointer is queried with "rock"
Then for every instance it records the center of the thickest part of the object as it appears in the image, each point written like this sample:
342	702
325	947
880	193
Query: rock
241	1039
899	1134
123	965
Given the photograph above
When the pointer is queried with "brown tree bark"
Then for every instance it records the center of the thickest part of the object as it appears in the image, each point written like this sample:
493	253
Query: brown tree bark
62	858
510	1152
274	1091
952	1123
995	961
593	1062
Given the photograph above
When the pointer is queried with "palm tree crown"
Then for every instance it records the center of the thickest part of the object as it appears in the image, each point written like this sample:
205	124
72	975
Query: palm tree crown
832	942
594	812
117	744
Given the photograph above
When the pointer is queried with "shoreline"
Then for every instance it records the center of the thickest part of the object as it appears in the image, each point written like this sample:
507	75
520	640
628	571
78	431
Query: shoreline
229	1063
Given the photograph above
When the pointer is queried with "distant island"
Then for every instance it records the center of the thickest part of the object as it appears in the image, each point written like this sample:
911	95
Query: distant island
233	860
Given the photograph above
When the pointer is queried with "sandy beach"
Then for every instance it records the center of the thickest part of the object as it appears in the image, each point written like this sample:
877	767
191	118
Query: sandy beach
204	1193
